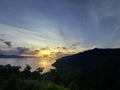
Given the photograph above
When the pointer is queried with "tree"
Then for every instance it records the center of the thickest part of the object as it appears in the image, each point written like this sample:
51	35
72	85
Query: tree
26	72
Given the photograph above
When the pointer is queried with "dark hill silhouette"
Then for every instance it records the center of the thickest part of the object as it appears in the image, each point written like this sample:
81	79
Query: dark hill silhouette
97	69
94	57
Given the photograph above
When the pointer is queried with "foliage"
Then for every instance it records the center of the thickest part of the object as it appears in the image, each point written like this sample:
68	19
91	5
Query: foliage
11	78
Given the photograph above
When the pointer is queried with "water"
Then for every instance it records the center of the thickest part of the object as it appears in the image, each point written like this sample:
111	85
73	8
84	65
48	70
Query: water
33	62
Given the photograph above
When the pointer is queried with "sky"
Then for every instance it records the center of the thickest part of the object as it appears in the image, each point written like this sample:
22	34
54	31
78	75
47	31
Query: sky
61	26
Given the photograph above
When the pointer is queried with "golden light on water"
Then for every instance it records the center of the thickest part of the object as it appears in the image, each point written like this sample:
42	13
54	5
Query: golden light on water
44	63
46	58
27	55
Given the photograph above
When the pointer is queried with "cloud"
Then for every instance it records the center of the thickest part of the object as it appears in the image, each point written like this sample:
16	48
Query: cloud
64	47
9	52
61	54
45	48
57	54
1	40
18	50
23	50
73	47
8	43
76	44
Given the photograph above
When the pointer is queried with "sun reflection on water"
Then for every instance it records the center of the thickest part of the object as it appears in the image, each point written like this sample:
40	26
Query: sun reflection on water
46	64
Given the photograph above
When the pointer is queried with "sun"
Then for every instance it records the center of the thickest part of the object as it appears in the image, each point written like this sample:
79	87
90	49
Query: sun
44	53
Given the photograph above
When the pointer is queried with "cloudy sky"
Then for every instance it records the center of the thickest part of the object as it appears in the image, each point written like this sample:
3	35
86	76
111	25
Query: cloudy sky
59	24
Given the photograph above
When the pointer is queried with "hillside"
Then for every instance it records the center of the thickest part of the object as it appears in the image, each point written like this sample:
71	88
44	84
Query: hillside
96	69
94	57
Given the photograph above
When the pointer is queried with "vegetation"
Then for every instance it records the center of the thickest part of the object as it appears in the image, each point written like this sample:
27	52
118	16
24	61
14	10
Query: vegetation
11	78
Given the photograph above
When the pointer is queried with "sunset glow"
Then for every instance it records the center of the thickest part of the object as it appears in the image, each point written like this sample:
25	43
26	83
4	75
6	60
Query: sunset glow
44	53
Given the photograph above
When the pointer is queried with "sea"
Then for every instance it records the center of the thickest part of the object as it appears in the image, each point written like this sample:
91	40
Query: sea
46	63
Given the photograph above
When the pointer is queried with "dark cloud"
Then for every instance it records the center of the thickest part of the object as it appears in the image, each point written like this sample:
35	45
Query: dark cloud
8	43
45	48
76	44
1	40
73	47
18	50
61	47
64	47
9	52
58	47
23	50
60	54
35	52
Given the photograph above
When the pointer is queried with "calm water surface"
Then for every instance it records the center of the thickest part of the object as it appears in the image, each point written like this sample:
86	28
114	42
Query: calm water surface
33	62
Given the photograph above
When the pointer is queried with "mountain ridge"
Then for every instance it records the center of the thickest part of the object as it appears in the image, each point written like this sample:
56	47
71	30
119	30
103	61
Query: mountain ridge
91	57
